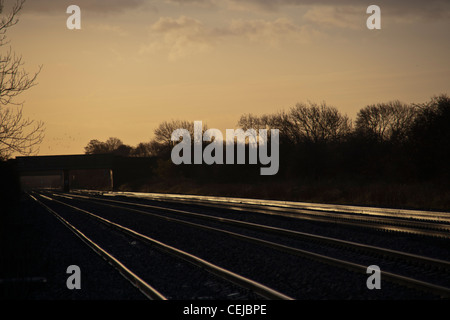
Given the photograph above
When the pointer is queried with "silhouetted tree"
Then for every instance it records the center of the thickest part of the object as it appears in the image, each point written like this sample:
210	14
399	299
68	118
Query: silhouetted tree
250	121
395	153
163	133
279	120
430	138
318	123
112	145
143	149
17	134
123	150
14	80
156	148
95	147
386	121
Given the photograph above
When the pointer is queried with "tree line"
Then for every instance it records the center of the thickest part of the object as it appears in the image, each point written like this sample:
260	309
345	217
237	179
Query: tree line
391	142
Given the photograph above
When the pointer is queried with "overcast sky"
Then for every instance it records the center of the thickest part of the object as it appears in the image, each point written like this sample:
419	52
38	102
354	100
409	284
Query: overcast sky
136	63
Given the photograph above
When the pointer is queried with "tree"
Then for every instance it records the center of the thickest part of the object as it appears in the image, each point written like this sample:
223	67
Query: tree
143	149
318	123
279	120
430	138
250	121
112	145
14	133
432	121
17	134
163	134
123	150
389	121
95	147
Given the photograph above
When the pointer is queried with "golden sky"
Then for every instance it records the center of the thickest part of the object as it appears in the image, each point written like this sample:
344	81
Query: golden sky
136	63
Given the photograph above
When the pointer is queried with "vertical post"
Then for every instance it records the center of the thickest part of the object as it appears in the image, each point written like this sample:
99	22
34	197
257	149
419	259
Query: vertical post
66	178
111	179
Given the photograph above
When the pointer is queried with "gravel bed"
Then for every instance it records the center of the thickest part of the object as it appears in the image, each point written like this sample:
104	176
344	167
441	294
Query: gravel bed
297	277
415	244
173	277
388	264
36	246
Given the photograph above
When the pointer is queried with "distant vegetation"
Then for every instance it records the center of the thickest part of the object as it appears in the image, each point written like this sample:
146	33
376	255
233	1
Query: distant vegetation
394	154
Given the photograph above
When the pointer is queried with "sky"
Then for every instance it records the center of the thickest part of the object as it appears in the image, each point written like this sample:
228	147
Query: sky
136	63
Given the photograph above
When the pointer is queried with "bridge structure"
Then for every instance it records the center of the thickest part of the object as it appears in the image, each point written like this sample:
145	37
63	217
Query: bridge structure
68	168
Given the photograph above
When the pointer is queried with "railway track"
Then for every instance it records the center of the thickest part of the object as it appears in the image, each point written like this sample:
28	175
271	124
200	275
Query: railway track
287	205
406	267
217	276
435	224
280	231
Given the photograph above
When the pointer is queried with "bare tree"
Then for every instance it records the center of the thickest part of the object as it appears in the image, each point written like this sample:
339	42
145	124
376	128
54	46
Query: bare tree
163	134
386	121
250	121
144	149
123	150
279	121
149	149
112	145
318	123
17	134
14	133
95	147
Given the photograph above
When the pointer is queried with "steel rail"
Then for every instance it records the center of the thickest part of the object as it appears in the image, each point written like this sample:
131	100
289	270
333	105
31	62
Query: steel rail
399	279
292	212
239	280
150	292
291	233
282	205
384	224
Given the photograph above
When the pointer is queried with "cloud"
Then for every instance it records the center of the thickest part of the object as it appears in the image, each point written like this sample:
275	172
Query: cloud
414	9
185	36
354	17
340	17
431	9
107	28
269	32
102	6
201	3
